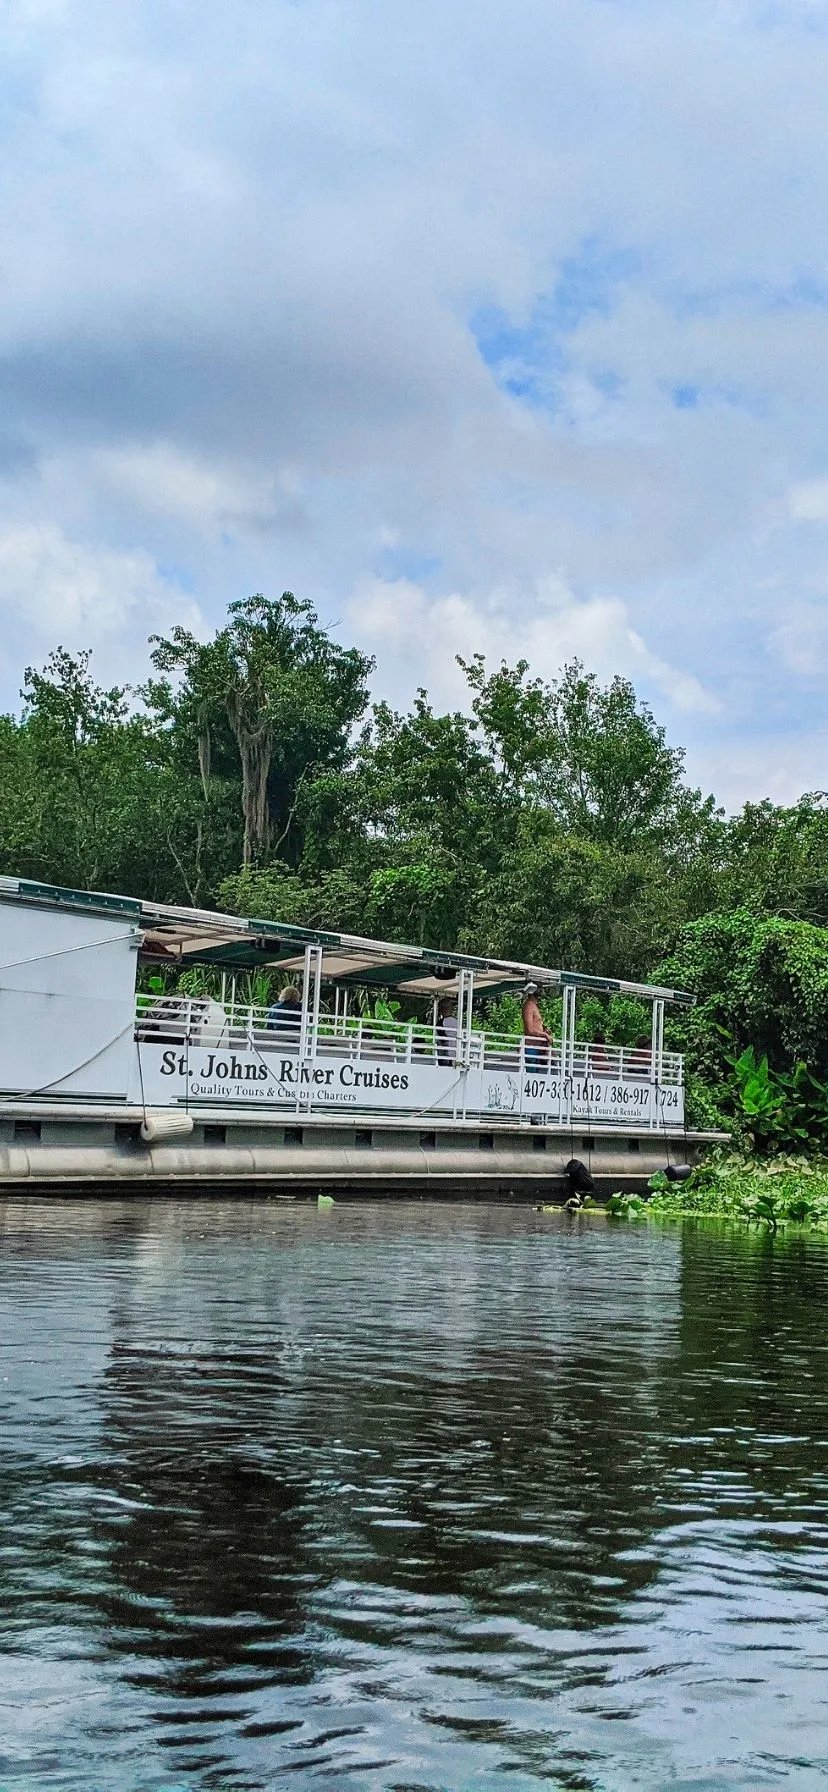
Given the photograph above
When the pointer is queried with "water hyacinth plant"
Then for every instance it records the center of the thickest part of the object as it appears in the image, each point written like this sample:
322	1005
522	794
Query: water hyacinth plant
782	1191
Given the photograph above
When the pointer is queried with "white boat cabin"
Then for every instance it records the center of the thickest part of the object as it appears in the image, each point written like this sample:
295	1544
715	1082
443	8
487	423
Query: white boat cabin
81	1022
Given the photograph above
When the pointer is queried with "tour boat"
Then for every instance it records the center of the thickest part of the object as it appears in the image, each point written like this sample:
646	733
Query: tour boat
105	1081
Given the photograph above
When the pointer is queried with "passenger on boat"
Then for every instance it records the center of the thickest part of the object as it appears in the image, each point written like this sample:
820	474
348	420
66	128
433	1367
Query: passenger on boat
285	1016
641	1059
539	1051
446	1031
599	1062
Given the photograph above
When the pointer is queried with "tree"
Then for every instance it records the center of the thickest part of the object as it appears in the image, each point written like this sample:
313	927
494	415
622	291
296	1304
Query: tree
73	751
271	697
759	981
593	757
564	901
274	892
424	791
550	822
776	859
92	798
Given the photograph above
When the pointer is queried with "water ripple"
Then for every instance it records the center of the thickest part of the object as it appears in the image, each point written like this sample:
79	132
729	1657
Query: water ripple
408	1499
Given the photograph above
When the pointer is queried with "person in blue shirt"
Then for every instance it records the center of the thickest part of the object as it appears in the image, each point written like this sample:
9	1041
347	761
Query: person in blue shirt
285	1016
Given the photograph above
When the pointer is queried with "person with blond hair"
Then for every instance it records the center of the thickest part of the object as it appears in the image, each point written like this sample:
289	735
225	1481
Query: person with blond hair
285	1016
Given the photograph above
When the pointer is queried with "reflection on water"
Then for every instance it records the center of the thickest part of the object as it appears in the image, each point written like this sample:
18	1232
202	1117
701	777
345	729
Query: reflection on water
407	1498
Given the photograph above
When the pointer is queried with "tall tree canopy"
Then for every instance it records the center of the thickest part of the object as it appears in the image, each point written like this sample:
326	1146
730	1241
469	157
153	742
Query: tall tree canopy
592	757
93	795
550	820
271	698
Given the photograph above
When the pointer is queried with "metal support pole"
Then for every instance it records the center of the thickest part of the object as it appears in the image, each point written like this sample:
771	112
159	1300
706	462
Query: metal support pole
567	1050
469	1036
311	997
304	1024
656	1059
465	997
464	1015
317	997
658	1055
465	1049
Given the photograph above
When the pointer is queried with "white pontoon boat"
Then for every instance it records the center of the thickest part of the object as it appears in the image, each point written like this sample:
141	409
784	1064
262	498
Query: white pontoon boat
101	1082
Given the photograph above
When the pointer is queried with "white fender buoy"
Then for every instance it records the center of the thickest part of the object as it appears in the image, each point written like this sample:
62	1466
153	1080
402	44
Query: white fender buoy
157	1127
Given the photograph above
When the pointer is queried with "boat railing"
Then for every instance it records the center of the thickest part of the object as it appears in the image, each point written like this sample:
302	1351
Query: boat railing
201	1021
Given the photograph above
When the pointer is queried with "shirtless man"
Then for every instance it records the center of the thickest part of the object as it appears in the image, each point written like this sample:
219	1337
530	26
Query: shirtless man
537	1054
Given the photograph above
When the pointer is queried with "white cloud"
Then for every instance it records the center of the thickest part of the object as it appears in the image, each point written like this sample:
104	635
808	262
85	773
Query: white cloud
199	491
246	251
58	584
779	767
800	642
809	501
417	640
57	591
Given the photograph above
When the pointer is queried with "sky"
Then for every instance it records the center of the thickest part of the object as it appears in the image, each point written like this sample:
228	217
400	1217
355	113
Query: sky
495	327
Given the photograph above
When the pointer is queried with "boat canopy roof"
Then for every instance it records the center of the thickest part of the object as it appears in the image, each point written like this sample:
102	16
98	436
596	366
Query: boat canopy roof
182	936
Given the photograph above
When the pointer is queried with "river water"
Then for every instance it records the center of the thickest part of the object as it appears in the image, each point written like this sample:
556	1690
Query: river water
415	1498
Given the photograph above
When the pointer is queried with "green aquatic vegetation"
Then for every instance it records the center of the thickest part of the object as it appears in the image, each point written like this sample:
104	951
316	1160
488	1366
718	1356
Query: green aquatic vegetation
780	1192
781	1111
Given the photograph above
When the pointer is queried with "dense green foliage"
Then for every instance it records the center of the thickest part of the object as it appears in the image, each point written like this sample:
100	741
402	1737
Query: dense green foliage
759	1031
547	821
551	822
772	1193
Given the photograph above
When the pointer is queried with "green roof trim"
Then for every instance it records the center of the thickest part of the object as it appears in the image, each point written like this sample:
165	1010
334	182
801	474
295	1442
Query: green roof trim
86	900
242	941
581	980
301	936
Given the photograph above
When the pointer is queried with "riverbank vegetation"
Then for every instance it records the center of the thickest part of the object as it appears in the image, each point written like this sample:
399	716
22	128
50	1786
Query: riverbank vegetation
550	821
750	1191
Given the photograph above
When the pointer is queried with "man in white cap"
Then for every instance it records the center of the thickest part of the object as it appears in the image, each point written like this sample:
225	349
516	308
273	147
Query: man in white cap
537	1054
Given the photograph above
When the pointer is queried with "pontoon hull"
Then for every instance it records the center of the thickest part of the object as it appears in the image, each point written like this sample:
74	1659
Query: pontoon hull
42	1150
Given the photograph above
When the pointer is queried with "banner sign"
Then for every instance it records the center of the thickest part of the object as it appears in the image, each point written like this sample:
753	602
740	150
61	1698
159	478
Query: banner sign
638	1102
173	1075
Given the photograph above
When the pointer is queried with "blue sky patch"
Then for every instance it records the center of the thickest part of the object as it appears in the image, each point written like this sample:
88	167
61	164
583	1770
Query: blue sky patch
527	358
407	563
